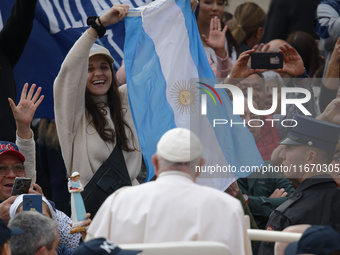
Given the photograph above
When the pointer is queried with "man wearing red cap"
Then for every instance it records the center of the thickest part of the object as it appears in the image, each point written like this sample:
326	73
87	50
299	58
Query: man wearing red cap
11	166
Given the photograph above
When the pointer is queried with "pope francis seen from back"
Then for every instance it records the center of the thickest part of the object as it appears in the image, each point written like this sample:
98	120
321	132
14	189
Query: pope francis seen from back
173	208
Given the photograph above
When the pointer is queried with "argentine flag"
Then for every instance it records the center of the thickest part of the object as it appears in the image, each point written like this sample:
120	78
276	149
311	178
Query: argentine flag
168	78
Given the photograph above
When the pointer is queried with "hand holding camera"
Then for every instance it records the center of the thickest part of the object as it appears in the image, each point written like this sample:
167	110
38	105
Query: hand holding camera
292	61
258	59
287	60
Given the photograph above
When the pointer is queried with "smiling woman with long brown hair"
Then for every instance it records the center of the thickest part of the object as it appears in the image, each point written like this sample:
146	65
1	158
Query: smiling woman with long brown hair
92	113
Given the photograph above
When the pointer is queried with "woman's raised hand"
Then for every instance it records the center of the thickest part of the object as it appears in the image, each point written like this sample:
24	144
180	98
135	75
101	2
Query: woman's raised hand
115	14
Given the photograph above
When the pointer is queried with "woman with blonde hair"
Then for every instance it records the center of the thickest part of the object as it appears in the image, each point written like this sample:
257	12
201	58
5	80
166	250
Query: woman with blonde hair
248	25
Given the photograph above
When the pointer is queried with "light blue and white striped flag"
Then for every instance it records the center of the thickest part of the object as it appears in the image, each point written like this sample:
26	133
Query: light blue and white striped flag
166	67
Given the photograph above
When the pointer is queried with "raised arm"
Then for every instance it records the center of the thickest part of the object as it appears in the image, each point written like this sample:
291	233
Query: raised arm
25	110
23	115
17	29
330	82
70	85
216	41
240	69
327	24
332	112
115	14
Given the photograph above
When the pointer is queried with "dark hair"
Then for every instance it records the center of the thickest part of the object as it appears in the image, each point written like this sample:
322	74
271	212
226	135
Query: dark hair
226	16
306	46
97	112
225	3
47	134
232	44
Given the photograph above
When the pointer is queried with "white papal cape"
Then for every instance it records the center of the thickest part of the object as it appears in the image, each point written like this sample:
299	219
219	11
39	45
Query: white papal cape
172	208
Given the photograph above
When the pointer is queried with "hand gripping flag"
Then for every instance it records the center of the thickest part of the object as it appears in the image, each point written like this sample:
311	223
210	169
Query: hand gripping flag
171	84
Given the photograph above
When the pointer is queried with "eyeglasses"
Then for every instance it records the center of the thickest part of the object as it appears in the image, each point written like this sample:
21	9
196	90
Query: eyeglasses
18	169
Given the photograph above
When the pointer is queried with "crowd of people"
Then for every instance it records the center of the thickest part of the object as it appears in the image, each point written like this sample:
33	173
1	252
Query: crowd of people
92	196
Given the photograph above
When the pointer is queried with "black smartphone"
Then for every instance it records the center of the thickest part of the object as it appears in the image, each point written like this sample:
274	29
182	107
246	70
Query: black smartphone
21	186
32	202
266	60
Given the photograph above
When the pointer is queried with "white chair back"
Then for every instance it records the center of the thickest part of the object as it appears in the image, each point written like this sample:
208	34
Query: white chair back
273	236
179	248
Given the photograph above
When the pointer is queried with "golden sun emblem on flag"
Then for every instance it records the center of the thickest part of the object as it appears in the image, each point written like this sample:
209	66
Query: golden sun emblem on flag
185	96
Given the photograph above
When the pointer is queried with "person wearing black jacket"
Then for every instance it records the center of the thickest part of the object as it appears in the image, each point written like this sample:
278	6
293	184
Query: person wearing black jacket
308	151
287	16
13	38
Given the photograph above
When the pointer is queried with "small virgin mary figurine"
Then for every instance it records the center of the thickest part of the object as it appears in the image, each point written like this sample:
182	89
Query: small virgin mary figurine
77	204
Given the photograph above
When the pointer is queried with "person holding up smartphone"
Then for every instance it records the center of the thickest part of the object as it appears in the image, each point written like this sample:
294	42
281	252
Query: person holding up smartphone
11	166
11	159
292	63
68	242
